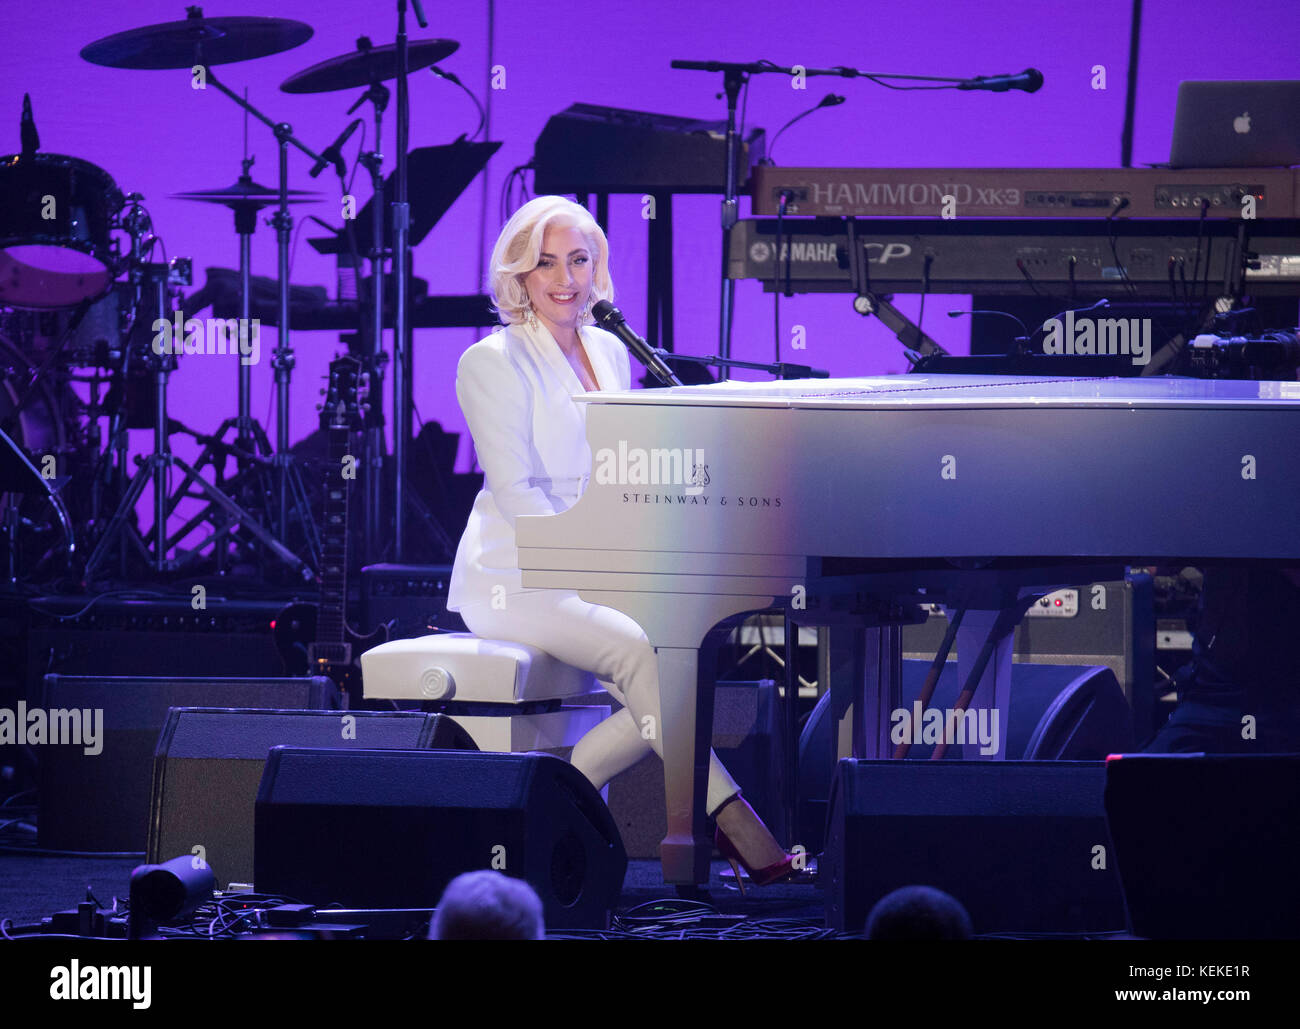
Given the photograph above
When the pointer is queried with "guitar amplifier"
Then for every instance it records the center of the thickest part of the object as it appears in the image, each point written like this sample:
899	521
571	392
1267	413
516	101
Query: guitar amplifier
411	598
151	636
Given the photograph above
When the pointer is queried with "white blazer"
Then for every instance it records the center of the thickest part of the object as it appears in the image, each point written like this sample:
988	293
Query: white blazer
516	389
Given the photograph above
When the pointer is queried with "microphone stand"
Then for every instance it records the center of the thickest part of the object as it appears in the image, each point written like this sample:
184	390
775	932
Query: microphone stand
373	162
736	74
1130	87
402	393
777	369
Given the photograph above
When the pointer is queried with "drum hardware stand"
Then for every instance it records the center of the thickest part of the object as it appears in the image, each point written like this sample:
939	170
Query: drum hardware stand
18	476
138	225
106	475
253	467
249	433
156	468
290	493
251	449
38	374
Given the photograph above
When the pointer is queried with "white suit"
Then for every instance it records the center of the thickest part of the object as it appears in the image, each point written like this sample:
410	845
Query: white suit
516	389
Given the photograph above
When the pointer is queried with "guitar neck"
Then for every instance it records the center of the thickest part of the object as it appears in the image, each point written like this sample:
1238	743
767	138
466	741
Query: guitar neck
334	543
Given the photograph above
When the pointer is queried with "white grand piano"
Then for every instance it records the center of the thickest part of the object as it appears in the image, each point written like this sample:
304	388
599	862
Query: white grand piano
848	499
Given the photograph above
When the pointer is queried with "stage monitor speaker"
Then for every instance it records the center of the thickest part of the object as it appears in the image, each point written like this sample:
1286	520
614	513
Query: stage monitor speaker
100	801
1022	844
209	763
386	829
1207	844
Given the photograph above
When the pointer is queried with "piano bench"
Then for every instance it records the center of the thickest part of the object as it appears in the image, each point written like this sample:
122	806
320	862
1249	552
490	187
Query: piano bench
462	675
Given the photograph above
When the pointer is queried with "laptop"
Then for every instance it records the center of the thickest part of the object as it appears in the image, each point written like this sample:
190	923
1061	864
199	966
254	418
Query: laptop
1252	124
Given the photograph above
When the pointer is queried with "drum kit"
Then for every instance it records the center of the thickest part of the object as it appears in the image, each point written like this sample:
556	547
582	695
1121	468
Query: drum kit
81	298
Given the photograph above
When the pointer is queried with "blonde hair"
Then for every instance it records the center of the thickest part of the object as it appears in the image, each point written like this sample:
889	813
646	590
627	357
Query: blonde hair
519	247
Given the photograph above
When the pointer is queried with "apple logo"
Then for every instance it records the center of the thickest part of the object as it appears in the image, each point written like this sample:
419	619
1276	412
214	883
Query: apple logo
1241	123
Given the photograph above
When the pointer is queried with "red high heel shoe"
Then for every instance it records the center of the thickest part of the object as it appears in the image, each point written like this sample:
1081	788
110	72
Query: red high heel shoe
778	872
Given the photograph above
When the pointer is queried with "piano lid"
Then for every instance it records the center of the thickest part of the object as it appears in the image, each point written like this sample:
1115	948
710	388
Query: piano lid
970	391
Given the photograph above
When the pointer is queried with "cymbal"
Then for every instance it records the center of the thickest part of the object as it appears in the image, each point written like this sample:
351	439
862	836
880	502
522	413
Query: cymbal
246	193
196	40
367	65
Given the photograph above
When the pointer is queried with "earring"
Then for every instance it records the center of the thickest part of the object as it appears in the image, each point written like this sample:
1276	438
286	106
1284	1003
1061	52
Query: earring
530	316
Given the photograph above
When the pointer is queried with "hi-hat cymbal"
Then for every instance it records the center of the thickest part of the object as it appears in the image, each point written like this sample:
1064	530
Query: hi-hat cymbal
246	193
367	65
196	40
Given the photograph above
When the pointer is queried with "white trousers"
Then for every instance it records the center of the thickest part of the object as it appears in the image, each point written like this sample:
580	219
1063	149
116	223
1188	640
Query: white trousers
613	648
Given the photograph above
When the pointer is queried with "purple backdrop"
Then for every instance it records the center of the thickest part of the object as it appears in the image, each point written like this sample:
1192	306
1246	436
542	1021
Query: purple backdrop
155	134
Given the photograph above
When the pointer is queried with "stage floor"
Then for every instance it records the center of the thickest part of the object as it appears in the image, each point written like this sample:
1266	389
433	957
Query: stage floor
34	887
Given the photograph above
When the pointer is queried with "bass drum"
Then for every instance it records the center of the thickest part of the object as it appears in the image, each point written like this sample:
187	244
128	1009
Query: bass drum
57	215
47	430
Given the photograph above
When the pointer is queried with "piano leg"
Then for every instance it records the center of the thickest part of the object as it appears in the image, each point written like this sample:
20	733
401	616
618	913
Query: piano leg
882	692
865	670
686	672
841	664
688	721
994	689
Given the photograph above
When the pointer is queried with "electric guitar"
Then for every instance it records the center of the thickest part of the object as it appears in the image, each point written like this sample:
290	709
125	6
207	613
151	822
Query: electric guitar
314	639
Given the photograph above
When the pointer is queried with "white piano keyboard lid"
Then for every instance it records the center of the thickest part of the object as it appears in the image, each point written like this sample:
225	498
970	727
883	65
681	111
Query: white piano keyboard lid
923	391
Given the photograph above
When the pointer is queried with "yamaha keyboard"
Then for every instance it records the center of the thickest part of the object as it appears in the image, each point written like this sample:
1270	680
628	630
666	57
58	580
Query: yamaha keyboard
1056	257
853	500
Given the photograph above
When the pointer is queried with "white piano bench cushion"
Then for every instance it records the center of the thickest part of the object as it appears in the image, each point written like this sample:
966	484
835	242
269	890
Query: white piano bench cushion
461	666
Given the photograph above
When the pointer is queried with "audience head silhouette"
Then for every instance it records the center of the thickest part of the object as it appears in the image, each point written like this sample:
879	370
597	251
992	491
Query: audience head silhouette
918	913
487	905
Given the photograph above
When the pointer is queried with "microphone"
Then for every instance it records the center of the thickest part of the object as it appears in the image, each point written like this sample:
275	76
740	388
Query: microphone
452	78
442	73
1098	306
1030	80
27	129
333	154
611	320
829	100
1001	314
